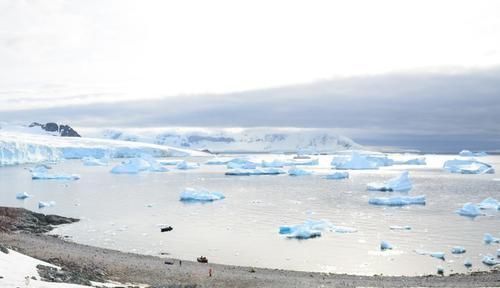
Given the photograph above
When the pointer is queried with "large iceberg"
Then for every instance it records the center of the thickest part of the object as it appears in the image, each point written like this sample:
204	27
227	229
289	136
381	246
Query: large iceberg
40	172
398	200
469	210
468	153
402	183
200	195
470	166
337	175
355	162
257	171
299	172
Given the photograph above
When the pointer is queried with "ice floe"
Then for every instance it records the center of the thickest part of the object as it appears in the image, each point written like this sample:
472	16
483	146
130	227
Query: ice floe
438	255
457	250
398	200
131	166
470	210
200	195
468	153
489	239
170	162
241	163
411	161
397	227
384	245
273	164
22	196
218	161
489	203
43	204
184	165
92	161
490	260
470	166
401	183
299	172
337	175
355	161
257	171
312	229
40	172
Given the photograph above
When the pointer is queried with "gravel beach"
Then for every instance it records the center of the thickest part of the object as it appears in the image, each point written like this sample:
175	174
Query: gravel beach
96	264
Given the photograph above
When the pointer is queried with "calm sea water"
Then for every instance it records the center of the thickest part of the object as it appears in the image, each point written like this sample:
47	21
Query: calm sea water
123	212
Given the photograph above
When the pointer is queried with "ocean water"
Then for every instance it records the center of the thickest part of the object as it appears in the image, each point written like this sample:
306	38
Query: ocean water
124	212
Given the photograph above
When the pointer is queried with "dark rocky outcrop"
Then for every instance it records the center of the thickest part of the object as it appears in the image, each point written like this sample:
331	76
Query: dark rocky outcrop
64	130
20	219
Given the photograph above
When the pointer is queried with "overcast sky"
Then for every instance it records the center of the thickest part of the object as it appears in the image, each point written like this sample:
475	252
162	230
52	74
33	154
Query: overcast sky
408	73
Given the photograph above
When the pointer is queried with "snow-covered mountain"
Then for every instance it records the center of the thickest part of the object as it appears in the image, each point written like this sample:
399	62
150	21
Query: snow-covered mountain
237	139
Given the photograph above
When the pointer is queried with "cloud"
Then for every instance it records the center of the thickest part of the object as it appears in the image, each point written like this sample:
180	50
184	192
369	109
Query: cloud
415	110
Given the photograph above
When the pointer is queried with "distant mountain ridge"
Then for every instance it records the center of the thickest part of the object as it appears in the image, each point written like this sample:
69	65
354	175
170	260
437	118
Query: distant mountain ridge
239	139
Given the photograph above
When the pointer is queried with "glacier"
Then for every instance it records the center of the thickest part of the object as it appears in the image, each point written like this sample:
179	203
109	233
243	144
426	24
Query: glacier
20	147
398	200
470	166
200	195
401	183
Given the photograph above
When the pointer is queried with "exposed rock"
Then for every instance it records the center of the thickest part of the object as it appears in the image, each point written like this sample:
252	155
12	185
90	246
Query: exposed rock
64	130
20	219
67	131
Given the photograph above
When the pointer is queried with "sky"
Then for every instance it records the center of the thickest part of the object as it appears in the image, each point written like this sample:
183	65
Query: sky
417	74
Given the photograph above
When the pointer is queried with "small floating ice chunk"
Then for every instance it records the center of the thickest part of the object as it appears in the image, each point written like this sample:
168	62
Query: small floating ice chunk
489	203
183	165
468	153
343	229
309	229
401	183
298	172
467	263
489	239
438	255
470	166
384	245
458	250
22	196
397	227
469	210
201	195
440	270
252	172
43	204
40	172
337	175
490	260
154	165
398	200
91	161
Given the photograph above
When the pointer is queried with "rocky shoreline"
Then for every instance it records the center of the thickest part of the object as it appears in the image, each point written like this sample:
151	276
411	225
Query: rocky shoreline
22	230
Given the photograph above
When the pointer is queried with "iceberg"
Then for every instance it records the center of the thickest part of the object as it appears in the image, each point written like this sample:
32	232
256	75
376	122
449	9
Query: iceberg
299	172
240	163
218	161
469	210
490	260
412	161
489	203
154	165
458	250
337	175
380	160
309	229
402	183
43	204
355	162
131	166
398	200
438	255
22	196
200	195
92	161
183	165
273	164
302	162
343	229
489	239
169	162
40	172
467	153
470	166
384	245
252	172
